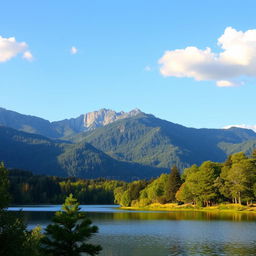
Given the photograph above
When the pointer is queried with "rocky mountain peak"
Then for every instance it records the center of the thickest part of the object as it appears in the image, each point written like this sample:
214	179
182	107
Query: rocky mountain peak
62	128
104	116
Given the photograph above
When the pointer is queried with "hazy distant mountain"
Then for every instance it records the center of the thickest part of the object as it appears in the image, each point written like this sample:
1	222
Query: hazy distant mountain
27	123
42	155
58	129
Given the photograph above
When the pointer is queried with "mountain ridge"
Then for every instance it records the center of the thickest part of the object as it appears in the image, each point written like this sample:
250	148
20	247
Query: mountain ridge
156	142
66	127
133	137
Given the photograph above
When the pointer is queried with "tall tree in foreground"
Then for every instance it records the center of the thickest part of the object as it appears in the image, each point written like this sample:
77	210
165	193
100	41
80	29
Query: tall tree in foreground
173	184
68	234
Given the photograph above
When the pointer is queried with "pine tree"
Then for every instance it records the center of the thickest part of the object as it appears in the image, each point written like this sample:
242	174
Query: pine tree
15	240
4	186
173	184
68	234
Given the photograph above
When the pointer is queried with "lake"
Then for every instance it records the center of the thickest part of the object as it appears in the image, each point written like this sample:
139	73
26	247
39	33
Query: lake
153	233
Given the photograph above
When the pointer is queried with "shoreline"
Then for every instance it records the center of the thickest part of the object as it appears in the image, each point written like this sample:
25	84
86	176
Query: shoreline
221	208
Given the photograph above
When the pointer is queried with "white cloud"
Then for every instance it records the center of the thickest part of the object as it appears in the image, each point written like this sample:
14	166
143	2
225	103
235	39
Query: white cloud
228	83
148	68
28	55
238	58
245	126
10	48
73	50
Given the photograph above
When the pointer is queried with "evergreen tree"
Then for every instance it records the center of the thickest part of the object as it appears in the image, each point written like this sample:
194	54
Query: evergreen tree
15	240
173	184
4	186
68	234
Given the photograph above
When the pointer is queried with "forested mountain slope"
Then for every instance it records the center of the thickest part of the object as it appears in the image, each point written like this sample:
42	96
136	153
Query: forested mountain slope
152	141
42	155
125	136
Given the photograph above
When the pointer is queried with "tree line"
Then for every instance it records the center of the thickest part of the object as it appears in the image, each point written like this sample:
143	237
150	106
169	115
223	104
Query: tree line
67	235
27	188
211	183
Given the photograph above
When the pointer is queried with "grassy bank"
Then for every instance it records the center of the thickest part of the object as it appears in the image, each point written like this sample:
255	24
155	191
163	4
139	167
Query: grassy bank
190	207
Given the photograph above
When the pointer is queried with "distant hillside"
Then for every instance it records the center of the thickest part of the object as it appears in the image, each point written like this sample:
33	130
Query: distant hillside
26	123
152	141
230	148
123	136
58	129
45	156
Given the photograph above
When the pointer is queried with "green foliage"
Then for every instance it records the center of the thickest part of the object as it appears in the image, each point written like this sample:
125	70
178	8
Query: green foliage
26	188
126	198
12	234
127	194
184	194
68	234
15	240
4	186
238	178
200	184
118	193
33	241
204	185
156	189
234	179
173	184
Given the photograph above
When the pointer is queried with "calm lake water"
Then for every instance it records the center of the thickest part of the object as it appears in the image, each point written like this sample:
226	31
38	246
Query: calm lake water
149	233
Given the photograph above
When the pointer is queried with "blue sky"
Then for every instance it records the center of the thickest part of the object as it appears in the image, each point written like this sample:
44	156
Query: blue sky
119	45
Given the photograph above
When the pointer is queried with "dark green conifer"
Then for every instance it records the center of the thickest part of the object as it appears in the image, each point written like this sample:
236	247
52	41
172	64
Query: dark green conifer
15	240
4	186
69	232
173	184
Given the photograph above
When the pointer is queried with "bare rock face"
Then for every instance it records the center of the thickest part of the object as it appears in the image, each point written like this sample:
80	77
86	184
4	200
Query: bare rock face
91	120
103	117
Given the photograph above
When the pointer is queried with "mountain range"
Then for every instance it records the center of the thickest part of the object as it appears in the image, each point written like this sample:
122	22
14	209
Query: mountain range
105	143
66	127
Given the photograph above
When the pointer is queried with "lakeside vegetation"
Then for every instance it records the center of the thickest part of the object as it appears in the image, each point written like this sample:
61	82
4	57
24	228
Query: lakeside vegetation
215	209
228	186
27	188
211	186
67	235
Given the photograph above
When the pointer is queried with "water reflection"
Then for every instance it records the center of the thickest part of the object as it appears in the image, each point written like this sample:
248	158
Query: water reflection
212	249
138	233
